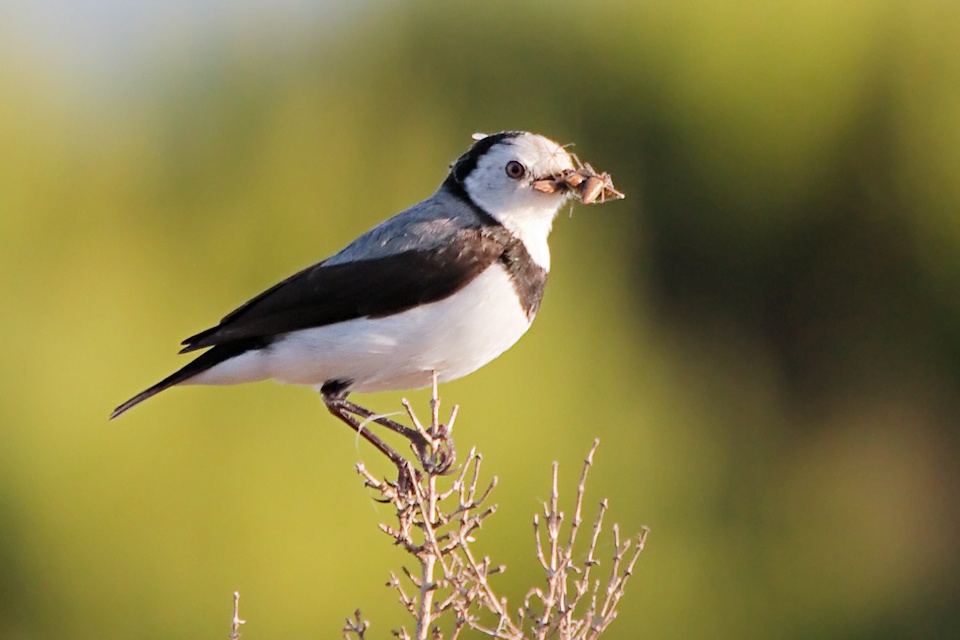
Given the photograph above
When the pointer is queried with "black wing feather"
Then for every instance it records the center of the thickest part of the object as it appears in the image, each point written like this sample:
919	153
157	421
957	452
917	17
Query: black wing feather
328	293
204	361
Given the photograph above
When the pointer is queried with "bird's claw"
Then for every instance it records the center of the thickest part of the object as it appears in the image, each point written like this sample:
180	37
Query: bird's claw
435	450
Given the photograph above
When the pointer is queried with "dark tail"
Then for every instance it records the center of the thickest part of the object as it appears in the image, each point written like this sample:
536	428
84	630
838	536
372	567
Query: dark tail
213	357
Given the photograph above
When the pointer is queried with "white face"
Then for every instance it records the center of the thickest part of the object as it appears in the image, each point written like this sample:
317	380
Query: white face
501	182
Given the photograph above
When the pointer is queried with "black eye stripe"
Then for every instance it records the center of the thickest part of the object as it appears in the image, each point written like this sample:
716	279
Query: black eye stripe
466	163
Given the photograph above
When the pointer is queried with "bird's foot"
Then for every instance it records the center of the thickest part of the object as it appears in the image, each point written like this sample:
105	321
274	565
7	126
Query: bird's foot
435	450
433	445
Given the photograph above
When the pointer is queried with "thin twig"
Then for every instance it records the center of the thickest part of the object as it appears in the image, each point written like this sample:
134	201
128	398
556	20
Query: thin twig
355	626
236	621
450	582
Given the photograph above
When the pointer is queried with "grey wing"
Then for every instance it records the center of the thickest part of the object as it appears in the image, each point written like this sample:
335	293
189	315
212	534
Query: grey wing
417	257
424	226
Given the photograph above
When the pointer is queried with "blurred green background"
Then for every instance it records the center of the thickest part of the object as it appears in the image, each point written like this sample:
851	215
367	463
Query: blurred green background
765	335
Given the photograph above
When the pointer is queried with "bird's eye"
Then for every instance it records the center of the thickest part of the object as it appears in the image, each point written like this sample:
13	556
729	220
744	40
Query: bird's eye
515	170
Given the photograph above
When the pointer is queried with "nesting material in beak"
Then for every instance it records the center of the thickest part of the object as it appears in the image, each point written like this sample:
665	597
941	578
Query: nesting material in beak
591	186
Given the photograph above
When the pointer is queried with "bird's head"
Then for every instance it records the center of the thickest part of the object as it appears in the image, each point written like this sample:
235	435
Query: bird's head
522	179
517	175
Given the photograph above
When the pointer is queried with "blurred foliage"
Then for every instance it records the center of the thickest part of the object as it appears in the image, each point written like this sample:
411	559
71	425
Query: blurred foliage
765	334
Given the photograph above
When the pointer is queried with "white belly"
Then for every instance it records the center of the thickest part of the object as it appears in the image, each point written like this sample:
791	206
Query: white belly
453	337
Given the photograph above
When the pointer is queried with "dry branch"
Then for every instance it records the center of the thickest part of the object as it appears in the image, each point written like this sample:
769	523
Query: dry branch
450	590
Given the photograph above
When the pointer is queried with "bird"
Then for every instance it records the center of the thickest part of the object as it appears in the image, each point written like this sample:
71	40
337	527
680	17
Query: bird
440	289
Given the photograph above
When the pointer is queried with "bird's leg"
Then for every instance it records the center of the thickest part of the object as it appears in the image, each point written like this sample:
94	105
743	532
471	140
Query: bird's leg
337	408
415	438
343	410
433	446
434	450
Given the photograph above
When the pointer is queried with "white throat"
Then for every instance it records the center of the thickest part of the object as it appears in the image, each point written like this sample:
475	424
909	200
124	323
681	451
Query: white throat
532	226
501	184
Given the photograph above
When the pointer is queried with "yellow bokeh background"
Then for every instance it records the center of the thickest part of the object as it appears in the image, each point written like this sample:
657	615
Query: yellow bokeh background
765	335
